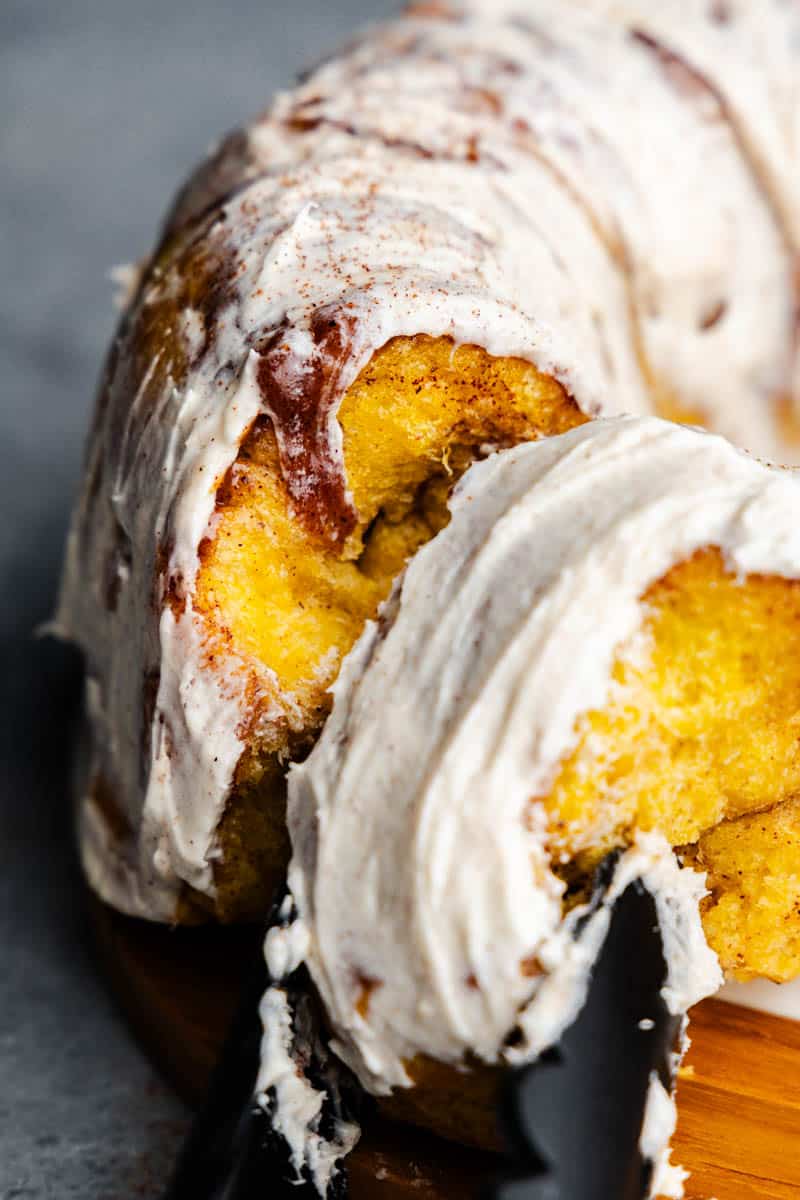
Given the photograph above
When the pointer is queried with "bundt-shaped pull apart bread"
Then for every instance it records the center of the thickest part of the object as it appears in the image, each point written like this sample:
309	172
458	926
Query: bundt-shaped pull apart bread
600	652
475	228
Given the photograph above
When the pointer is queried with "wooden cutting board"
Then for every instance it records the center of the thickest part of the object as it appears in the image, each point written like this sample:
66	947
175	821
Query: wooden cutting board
738	1096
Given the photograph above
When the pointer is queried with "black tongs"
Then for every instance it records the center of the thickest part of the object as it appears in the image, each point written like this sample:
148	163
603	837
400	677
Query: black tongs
573	1119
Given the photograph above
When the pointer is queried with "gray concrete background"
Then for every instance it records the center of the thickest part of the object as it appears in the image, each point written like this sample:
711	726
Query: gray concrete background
104	104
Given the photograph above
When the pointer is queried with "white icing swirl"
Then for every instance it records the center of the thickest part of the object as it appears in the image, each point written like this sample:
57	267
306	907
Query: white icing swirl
419	859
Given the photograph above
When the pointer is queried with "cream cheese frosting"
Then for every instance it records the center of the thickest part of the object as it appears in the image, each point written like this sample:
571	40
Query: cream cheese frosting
748	51
644	145
540	187
420	861
660	1120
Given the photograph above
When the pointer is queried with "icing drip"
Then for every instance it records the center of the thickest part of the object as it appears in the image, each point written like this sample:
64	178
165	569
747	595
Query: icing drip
295	1101
660	1119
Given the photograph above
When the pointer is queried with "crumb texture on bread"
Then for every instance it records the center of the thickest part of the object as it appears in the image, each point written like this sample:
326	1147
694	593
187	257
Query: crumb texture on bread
294	604
699	741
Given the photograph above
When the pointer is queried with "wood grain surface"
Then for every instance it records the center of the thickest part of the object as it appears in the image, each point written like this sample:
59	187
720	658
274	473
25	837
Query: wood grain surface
738	1096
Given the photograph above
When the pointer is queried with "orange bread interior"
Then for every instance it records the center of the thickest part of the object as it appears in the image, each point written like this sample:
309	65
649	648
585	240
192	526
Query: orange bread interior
700	740
289	601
